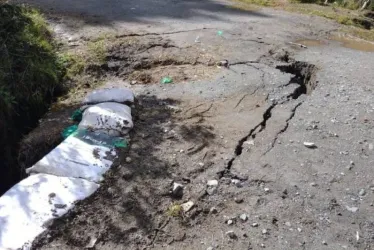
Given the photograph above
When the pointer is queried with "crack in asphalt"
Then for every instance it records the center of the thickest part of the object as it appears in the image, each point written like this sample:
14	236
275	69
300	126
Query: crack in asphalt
284	129
161	33
304	76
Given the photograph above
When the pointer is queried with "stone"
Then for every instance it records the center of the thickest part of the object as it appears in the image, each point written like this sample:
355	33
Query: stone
310	145
362	192
128	159
236	182
210	248
288	224
187	206
231	234
238	200
230	222
212	183
352	209
177	191
255	224
213	210
243	217
324	243
266	189
264	231
313	184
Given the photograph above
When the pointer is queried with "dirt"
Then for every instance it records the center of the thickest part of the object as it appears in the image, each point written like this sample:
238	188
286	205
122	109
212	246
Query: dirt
244	124
347	42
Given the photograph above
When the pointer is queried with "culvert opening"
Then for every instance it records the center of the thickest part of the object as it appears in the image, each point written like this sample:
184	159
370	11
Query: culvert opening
304	75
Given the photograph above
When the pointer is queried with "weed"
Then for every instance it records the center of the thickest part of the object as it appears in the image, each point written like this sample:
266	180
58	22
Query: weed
175	210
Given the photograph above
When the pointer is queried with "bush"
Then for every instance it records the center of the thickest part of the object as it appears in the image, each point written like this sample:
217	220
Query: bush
30	76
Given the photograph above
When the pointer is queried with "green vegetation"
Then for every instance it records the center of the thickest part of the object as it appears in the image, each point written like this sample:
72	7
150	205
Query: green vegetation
174	210
30	77
340	11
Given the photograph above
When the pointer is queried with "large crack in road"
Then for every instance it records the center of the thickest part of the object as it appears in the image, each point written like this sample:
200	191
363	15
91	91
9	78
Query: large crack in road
304	76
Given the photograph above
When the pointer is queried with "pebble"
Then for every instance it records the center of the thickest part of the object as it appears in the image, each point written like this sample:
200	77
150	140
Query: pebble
313	184
128	159
212	183
288	224
266	189
210	248
177	190
236	182
243	217
187	206
213	210
362	192
310	144
264	231
255	224
324	243
238	200
352	209
230	222
231	234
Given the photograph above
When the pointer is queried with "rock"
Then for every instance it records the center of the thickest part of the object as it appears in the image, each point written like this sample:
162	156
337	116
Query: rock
236	182
92	243
230	222
212	183
255	224
223	63
213	210
264	231
266	190
243	217
362	192
310	145
212	187
288	224
352	209
187	206
231	234
238	200
210	248
313	184
128	159
177	191
324	243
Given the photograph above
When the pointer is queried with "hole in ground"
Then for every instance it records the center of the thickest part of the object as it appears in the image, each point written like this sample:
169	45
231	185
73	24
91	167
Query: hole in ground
304	75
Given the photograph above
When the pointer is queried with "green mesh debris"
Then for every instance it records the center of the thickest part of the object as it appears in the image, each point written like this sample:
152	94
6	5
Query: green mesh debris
77	115
166	80
120	143
69	131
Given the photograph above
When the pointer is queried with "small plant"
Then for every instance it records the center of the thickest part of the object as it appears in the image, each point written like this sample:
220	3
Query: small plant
175	210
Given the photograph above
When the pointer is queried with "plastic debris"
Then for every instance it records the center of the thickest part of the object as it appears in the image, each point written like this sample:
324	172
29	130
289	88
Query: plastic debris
120	143
220	32
76	158
166	80
109	117
120	95
27	207
197	40
77	115
69	131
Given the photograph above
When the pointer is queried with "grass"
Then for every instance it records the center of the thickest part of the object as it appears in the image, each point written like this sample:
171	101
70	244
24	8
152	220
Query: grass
345	16
31	75
174	210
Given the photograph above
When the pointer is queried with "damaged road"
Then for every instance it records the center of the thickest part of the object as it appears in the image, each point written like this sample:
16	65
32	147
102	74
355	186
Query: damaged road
234	136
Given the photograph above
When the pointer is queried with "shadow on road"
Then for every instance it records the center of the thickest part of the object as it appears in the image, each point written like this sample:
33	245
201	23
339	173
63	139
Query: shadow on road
141	11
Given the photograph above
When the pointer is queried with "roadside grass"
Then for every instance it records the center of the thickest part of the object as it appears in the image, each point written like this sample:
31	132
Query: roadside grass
356	24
